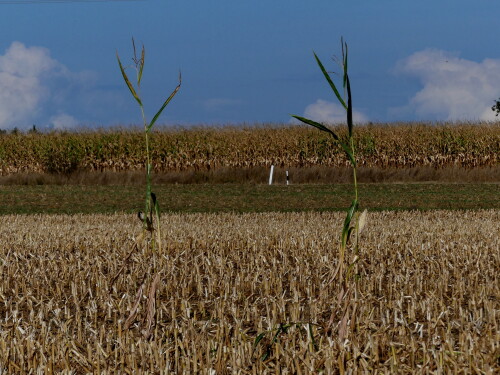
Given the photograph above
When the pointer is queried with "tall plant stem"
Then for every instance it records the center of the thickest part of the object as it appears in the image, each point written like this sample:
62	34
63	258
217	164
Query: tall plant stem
148	163
354	170
151	201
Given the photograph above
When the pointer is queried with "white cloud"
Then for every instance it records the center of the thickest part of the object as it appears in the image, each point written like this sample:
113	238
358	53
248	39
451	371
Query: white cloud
453	88
331	113
31	82
63	121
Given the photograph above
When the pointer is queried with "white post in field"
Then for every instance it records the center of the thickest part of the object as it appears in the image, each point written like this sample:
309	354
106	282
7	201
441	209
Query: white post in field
287	179
271	175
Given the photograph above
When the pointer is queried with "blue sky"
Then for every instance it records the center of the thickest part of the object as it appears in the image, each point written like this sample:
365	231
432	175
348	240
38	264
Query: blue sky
247	61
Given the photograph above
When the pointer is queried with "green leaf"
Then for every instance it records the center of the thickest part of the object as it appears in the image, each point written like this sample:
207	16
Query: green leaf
322	127
349	107
349	154
258	339
164	105
157	208
141	65
311	335
267	354
286	327
344	62
347	221
317	125
130	87
280	329
332	85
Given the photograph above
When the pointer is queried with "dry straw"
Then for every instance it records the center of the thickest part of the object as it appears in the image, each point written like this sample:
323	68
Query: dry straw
396	147
429	286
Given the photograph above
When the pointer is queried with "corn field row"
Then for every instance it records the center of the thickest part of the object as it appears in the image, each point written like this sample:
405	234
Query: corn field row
209	148
428	297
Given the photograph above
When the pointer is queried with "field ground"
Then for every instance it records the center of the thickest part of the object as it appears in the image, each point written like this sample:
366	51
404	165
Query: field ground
245	282
428	299
257	175
71	199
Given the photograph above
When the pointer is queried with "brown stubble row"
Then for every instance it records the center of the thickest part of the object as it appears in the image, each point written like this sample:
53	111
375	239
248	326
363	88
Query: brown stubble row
209	148
428	298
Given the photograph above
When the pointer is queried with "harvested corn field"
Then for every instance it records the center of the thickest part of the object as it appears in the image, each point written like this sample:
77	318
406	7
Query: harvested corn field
427	297
384	146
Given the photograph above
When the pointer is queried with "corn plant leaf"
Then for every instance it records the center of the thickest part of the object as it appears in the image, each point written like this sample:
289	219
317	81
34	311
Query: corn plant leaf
332	85
347	221
164	105
325	129
127	81
349	153
285	327
258	339
349	107
317	125
280	329
344	63
350	213
157	208
311	335
141	65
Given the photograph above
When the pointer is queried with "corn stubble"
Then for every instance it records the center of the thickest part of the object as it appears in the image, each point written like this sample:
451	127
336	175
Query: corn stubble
428	293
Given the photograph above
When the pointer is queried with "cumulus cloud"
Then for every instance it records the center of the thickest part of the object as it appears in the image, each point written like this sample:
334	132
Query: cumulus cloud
331	113
27	85
453	88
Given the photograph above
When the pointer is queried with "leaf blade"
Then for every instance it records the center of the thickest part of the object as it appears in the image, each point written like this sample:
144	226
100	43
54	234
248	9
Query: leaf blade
317	125
141	65
344	62
349	107
322	127
165	104
127	81
346	231
330	81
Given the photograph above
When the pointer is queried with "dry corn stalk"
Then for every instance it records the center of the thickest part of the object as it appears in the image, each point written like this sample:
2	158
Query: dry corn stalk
429	293
380	145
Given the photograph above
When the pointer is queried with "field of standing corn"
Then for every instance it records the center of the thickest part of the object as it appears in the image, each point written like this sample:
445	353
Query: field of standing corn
428	295
212	148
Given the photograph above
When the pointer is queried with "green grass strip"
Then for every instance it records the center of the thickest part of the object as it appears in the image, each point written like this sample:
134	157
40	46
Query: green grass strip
72	199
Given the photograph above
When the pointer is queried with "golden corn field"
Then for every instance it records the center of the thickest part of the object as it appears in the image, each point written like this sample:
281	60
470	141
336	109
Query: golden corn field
427	298
209	148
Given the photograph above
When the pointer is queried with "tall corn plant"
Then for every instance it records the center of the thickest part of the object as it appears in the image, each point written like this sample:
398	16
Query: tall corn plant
353	221
345	268
152	208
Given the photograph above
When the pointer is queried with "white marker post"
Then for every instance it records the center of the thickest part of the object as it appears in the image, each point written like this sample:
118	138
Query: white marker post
287	179
271	175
